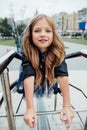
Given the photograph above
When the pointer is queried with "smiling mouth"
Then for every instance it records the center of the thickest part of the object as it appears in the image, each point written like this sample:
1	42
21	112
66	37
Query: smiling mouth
43	40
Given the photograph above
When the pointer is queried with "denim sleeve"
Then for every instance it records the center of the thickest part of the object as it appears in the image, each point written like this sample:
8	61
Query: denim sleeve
61	70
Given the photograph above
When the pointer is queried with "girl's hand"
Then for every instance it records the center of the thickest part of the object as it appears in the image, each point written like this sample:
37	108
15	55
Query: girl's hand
67	115
30	117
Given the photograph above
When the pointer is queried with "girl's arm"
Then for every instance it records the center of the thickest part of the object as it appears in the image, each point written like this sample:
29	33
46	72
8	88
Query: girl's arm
29	73
29	90
64	86
30	117
66	109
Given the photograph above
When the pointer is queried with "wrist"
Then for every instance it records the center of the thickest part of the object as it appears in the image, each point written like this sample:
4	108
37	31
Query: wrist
68	105
30	109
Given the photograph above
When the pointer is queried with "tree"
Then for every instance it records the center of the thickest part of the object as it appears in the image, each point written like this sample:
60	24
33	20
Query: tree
5	28
21	28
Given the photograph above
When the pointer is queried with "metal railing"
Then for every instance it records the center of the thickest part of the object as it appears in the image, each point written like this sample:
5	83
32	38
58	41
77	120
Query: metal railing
4	72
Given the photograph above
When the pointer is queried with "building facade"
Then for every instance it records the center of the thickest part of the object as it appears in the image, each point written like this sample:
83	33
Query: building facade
65	21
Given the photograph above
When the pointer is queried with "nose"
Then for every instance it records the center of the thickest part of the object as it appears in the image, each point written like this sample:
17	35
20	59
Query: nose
43	33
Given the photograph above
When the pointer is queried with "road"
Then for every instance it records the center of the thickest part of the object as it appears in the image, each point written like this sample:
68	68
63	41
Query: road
79	63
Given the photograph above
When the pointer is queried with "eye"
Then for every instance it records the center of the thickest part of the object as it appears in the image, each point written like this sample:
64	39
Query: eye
37	30
48	30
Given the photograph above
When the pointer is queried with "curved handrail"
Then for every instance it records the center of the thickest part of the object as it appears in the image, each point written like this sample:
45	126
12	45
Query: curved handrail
82	52
4	62
7	58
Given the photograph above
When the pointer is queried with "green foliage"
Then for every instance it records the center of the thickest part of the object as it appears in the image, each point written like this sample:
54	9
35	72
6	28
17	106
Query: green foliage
78	41
5	28
21	28
85	35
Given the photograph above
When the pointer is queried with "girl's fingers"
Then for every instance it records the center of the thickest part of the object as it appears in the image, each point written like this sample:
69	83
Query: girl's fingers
61	117
65	119
31	122
67	123
34	121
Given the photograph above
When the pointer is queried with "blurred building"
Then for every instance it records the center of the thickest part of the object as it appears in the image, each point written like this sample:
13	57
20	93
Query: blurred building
82	15
66	21
73	21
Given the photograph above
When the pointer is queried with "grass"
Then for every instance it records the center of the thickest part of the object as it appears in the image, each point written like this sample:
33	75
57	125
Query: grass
77	41
12	41
7	42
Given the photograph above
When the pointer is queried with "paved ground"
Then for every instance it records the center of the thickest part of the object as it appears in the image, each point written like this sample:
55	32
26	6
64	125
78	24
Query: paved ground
79	63
77	76
77	100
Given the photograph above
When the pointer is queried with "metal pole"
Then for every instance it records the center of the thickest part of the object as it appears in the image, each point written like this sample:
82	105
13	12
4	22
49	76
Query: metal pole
7	99
46	112
85	128
55	102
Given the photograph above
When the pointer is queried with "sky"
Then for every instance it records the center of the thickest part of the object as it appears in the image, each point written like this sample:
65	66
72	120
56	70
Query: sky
22	9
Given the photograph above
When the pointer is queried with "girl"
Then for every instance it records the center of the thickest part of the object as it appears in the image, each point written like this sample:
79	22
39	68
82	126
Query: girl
43	62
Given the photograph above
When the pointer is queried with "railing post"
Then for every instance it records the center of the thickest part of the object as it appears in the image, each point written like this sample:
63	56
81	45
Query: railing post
85	128
55	102
7	99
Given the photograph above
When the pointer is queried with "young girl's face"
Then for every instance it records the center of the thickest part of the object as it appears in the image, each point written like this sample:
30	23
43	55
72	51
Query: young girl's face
42	34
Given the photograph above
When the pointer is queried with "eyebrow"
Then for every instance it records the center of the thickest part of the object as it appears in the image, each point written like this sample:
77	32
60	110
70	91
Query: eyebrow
41	27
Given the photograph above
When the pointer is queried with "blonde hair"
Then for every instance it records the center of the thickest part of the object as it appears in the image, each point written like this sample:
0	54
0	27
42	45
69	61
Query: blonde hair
54	55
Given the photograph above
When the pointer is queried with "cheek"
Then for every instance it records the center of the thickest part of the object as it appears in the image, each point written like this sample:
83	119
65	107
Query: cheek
33	37
51	37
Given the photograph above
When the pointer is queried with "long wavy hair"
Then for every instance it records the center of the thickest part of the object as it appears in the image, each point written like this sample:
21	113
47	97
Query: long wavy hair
54	54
